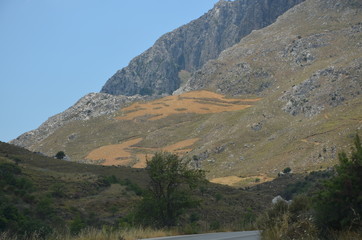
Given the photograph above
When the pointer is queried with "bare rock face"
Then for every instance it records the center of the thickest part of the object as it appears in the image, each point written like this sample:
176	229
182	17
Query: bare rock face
316	60
189	47
90	106
329	87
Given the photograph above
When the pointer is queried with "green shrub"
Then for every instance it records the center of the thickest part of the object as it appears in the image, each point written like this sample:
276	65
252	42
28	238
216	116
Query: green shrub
339	204
308	186
218	197
77	225
60	155
58	190
287	170
45	208
248	218
288	221
215	225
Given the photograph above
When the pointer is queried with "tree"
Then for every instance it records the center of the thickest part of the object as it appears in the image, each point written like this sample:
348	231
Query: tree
339	204
60	155
287	170
169	192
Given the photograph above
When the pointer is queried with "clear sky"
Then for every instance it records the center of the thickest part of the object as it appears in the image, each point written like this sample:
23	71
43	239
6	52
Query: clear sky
53	52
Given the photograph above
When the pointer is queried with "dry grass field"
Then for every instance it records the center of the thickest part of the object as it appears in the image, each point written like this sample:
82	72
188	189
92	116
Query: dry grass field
127	154
235	181
200	102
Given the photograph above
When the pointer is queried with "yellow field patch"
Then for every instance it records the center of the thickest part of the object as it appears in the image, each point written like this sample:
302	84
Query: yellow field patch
181	147
124	154
242	181
307	141
200	102
116	154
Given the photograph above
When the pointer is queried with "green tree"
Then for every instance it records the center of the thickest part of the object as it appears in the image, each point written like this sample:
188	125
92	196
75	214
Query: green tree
339	204
169	192
287	170
60	155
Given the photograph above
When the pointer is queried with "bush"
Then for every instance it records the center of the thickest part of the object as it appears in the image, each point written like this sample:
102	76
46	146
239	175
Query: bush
77	225
60	155
287	170
248	219
291	221
339	204
58	190
308	186
45	208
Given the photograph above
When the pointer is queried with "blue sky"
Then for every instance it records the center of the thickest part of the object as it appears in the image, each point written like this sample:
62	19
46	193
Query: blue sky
53	52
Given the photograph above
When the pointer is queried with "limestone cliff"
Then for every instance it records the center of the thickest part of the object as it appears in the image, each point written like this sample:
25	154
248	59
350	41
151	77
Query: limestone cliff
189	47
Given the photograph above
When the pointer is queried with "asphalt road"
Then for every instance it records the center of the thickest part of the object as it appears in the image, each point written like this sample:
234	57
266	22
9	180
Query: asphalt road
247	235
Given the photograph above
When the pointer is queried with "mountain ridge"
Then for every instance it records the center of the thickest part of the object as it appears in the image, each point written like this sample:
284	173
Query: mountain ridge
156	71
90	106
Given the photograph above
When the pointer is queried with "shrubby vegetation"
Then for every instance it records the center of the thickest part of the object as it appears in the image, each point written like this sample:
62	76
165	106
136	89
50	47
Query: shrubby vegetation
325	204
21	212
330	208
339	204
60	155
30	213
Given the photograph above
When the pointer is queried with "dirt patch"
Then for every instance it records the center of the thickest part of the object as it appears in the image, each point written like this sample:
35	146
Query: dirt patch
241	181
200	102
314	143
181	147
126	154
116	154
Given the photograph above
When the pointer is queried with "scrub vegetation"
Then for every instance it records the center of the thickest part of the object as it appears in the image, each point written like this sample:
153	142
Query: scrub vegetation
49	198
326	205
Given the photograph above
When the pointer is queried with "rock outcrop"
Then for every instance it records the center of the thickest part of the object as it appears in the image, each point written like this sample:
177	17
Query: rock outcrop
90	106
323	59
189	47
328	87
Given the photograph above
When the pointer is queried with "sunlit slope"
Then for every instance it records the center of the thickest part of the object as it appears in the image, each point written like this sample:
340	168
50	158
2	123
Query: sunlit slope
252	142
134	153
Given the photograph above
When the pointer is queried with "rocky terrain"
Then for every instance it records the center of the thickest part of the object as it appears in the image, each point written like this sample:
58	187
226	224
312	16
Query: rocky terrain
301	80
189	47
265	58
90	106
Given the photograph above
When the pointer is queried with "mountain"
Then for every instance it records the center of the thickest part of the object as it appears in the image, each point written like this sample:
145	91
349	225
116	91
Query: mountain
163	67
287	95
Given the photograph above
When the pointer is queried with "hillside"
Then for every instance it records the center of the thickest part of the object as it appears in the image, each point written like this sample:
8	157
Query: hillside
287	95
48	194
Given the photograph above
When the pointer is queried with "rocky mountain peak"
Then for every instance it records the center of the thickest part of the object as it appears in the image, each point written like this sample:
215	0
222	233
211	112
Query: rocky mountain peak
188	48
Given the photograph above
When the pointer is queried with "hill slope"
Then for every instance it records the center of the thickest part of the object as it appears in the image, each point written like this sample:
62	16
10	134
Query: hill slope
304	75
50	194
